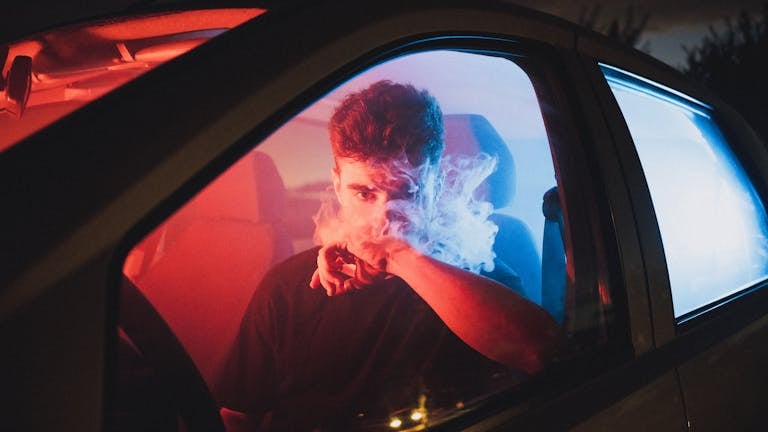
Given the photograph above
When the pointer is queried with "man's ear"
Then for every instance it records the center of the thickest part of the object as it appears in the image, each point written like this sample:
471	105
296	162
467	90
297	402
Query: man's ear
336	178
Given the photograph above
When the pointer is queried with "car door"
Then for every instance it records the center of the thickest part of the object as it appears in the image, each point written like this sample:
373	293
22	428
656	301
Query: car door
704	249
723	383
90	188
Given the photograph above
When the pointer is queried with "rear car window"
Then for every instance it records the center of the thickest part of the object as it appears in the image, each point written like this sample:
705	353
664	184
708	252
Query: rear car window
712	222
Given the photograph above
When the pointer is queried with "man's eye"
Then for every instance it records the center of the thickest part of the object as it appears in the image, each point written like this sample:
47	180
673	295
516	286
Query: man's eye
365	195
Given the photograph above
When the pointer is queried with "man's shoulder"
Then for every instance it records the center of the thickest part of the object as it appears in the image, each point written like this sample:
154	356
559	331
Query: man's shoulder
297	268
303	258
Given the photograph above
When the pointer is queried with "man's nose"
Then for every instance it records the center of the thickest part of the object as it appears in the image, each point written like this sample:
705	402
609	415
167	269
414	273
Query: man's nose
389	219
384	213
395	215
388	207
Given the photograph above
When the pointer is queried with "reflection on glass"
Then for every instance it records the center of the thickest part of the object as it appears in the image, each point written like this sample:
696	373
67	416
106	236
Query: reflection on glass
712	222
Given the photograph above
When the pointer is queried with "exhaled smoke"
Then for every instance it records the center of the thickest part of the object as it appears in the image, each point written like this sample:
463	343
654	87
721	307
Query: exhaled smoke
454	228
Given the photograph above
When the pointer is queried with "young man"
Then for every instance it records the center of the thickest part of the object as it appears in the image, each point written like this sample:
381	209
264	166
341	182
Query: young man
369	323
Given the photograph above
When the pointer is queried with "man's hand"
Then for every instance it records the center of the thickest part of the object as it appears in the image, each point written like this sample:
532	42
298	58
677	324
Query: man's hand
342	267
339	270
380	253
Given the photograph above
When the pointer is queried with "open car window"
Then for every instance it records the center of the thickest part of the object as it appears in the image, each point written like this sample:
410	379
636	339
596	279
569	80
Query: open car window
48	75
255	230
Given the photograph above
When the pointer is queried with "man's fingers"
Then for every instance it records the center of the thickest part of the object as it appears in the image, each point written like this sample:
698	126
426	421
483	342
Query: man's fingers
351	284
334	273
332	281
318	280
338	283
349	269
372	253
315	281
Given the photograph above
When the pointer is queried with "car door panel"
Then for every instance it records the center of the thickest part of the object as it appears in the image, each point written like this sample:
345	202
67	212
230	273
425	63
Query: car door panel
724	385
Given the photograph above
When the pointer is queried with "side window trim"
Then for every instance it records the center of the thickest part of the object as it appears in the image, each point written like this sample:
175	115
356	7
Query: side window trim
642	85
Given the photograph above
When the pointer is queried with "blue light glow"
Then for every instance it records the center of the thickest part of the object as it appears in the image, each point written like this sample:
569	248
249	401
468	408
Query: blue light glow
712	222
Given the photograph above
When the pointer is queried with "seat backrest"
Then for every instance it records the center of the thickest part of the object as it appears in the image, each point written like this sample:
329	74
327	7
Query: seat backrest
200	268
469	134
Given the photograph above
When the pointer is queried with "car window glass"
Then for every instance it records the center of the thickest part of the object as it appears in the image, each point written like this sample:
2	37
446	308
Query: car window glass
712	222
205	269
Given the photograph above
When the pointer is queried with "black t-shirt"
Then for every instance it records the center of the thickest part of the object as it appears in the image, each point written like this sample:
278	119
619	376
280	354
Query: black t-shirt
342	362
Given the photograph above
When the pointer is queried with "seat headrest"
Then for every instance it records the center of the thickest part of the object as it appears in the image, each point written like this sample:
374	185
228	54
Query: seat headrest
251	190
470	134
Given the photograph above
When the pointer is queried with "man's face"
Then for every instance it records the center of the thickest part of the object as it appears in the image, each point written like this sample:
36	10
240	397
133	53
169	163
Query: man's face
376	198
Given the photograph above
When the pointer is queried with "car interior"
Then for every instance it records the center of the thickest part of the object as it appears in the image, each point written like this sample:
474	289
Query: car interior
197	271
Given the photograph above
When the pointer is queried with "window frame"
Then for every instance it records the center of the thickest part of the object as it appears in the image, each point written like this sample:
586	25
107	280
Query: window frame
589	234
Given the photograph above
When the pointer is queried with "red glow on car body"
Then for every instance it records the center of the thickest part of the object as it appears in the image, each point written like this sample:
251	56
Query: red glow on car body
72	66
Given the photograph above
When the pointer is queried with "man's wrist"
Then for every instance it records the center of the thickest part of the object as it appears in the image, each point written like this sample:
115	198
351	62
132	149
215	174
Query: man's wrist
401	258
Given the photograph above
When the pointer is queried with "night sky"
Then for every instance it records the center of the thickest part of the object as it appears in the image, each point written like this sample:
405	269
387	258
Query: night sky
672	23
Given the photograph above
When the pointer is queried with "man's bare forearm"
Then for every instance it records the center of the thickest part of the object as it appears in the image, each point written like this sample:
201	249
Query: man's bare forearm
489	317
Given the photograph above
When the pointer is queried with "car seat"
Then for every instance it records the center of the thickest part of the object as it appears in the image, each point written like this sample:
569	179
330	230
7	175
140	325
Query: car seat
469	134
200	268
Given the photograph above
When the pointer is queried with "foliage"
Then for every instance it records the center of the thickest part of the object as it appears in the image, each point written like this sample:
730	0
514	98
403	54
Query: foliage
734	64
627	30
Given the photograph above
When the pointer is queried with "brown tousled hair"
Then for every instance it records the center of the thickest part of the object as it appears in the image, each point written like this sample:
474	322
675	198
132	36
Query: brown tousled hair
387	121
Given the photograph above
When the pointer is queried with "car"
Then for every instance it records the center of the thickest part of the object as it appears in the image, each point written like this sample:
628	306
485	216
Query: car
156	164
